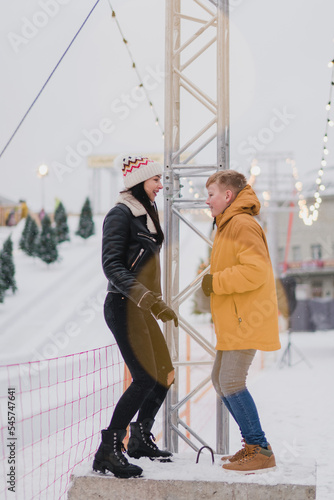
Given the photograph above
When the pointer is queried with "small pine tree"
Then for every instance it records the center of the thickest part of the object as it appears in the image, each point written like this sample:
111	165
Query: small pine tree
29	235
61	229
46	247
31	238
86	222
22	242
7	265
2	283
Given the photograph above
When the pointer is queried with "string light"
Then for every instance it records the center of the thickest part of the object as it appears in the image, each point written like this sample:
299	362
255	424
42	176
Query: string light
311	214
134	66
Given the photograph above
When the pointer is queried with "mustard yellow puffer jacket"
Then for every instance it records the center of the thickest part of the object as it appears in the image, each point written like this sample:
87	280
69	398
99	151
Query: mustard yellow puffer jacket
243	302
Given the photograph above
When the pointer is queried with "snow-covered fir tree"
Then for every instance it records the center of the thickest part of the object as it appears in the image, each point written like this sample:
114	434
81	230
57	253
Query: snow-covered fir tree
61	229
7	265
22	242
29	237
2	283
86	223
32	238
46	247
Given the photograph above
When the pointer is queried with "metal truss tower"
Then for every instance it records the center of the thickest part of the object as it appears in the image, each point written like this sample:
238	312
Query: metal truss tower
196	145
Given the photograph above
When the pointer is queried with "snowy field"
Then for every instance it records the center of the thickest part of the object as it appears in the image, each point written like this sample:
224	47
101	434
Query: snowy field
57	310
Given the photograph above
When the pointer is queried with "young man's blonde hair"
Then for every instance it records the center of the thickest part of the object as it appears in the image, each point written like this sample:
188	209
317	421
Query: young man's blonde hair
229	179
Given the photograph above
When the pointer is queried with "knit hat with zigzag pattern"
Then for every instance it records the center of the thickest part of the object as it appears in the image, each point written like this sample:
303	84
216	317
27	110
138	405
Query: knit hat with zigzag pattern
138	169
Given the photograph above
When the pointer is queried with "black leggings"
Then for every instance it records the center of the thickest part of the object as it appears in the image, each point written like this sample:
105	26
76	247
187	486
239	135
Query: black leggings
144	350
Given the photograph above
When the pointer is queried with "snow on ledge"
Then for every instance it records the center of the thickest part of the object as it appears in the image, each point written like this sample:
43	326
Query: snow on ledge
184	468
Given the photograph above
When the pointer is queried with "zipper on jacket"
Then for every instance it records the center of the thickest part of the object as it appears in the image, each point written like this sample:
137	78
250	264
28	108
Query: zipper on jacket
148	237
138	257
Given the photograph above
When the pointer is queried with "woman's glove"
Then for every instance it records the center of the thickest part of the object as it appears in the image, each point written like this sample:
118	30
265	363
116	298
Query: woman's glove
207	284
147	301
161	311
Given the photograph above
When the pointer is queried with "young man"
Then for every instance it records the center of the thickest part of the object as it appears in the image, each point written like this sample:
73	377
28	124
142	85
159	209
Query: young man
244	309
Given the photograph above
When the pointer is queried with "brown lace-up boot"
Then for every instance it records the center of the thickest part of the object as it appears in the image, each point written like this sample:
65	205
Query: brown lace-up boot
239	454
255	460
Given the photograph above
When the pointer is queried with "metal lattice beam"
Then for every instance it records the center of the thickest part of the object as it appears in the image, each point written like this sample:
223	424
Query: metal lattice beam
210	20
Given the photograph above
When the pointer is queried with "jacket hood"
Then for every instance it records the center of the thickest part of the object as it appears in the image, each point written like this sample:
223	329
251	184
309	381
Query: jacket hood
246	202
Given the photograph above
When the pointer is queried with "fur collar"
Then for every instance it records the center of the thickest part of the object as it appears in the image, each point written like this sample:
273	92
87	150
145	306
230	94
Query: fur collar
136	208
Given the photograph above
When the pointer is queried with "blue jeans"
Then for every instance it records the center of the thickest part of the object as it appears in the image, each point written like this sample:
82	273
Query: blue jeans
242	407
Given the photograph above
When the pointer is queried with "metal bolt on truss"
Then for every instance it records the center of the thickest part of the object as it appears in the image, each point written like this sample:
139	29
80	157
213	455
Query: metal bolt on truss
185	142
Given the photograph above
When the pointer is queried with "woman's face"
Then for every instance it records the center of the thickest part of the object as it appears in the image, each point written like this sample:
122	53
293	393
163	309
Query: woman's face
152	186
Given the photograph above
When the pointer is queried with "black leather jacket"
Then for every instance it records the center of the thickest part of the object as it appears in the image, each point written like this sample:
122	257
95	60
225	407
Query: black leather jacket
130	254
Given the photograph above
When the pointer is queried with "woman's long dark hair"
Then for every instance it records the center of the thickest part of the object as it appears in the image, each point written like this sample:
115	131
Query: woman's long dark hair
139	193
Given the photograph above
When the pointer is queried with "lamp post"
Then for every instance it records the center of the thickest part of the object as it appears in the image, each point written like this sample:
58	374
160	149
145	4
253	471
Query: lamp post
42	172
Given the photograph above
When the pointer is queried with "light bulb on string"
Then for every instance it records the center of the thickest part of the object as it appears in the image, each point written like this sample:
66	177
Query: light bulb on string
134	66
306	213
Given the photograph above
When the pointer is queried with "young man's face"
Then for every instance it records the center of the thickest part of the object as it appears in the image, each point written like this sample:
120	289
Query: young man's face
219	198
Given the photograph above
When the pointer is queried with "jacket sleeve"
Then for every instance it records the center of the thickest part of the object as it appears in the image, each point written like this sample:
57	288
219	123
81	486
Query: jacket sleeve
115	245
253	265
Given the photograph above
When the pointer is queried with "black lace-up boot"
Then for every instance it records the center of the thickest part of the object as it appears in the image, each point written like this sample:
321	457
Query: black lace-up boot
110	455
141	442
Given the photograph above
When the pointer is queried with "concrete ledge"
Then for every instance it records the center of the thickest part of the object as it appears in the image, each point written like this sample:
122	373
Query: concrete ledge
185	480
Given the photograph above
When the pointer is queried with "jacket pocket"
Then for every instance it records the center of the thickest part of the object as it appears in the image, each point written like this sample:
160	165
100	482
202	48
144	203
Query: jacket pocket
237	311
143	235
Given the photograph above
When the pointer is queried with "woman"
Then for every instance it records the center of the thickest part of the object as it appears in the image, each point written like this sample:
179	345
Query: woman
132	239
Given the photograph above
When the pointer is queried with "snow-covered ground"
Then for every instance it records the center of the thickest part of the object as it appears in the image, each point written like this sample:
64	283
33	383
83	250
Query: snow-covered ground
57	310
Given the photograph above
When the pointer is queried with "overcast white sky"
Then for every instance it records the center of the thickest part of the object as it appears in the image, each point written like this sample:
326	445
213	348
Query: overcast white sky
279	81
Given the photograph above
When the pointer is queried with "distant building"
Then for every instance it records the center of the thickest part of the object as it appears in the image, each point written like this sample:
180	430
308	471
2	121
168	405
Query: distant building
305	252
310	253
11	212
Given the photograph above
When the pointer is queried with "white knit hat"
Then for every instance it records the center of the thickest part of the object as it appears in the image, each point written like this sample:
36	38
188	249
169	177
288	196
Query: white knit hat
137	169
